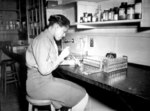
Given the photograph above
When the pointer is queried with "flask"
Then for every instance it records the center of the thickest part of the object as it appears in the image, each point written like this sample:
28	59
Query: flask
99	13
96	15
138	9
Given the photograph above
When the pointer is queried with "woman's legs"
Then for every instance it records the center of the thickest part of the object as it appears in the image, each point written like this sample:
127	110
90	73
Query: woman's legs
82	104
95	105
61	92
90	104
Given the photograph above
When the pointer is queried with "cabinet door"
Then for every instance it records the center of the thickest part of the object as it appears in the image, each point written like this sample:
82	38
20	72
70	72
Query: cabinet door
145	22
35	17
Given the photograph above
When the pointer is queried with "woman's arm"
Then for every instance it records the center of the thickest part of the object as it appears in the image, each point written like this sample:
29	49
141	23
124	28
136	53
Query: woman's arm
46	58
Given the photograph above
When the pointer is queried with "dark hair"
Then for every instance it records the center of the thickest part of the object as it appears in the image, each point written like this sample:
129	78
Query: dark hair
59	19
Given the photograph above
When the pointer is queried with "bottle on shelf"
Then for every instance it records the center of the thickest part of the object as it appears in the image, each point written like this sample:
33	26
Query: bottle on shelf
122	11
89	17
130	12
94	18
138	9
116	13
105	15
85	17
99	14
81	19
111	14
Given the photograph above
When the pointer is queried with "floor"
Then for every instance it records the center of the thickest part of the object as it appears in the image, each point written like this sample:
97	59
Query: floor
13	100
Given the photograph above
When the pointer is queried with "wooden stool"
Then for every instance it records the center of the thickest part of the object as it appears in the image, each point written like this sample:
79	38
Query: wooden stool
9	76
33	103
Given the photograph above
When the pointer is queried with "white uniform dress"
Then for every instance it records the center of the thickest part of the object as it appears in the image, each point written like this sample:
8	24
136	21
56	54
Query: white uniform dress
40	84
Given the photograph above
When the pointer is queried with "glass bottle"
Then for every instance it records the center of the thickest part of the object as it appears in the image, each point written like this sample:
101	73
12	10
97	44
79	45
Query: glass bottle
89	17
122	11
85	17
105	15
130	12
94	18
81	19
116	13
99	13
111	14
138	9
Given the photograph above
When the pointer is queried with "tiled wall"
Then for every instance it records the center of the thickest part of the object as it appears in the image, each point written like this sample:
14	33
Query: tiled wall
123	41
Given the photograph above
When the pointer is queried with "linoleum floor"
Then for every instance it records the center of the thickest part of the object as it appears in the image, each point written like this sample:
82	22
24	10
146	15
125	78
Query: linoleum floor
13	100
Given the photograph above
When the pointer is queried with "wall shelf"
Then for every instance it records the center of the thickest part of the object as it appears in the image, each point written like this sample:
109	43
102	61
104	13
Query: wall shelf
109	23
61	6
74	10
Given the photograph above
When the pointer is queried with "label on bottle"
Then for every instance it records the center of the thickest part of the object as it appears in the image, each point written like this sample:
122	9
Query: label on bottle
138	8
115	16
122	14
130	13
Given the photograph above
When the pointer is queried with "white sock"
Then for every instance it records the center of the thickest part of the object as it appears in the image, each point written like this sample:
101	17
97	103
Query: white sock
82	104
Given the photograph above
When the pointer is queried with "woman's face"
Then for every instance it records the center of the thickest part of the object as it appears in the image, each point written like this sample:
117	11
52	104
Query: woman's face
60	32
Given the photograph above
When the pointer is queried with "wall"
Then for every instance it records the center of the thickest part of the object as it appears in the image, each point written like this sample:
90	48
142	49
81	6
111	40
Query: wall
123	41
11	36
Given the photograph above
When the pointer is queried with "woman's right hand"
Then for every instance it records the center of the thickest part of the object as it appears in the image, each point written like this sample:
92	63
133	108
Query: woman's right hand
65	52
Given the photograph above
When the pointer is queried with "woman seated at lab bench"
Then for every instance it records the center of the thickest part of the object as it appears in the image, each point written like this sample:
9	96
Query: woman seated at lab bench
42	59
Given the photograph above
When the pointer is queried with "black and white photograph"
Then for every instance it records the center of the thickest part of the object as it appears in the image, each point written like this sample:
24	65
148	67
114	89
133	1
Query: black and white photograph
74	55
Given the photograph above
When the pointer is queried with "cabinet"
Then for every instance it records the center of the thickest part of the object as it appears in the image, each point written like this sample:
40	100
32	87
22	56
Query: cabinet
74	11
35	11
67	9
10	16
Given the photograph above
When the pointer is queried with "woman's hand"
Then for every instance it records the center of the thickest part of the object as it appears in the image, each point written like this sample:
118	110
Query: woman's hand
65	52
